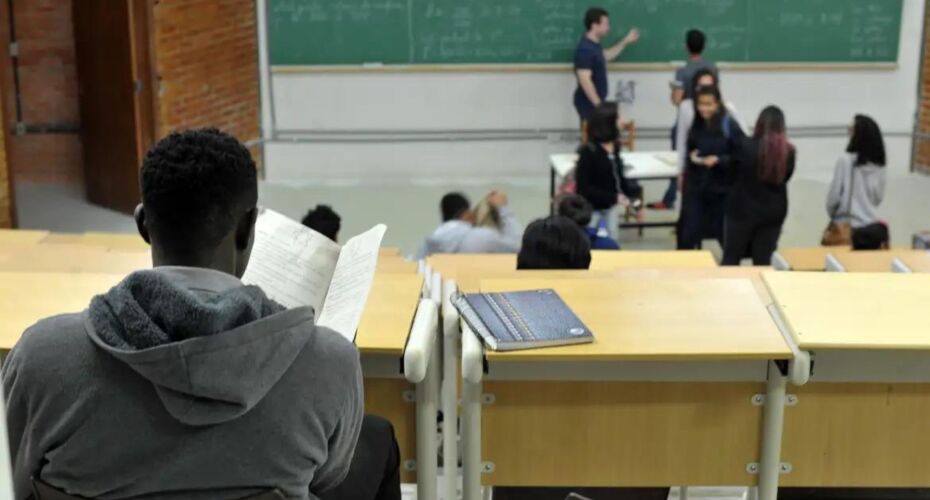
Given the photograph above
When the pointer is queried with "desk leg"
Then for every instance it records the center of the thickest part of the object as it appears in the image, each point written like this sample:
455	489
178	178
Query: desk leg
472	373
772	427
449	395
551	190
427	406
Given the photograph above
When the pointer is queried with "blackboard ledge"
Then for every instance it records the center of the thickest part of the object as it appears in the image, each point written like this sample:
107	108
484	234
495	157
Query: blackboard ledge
562	67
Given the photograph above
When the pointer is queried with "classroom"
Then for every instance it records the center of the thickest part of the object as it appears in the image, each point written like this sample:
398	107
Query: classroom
477	250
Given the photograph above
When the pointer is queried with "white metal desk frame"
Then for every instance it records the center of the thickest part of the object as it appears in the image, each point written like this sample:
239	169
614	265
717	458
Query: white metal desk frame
898	266
833	264
6	471
775	374
420	367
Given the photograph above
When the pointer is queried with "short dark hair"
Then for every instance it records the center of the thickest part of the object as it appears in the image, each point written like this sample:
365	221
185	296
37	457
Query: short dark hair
592	16
866	141
695	40
555	242
195	186
323	220
872	237
453	205
701	73
577	209
602	125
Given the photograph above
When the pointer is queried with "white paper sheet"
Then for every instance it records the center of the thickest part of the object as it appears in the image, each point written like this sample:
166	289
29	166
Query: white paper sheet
351	283
293	264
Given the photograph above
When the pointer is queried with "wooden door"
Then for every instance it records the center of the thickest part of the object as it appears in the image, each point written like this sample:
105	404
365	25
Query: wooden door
115	79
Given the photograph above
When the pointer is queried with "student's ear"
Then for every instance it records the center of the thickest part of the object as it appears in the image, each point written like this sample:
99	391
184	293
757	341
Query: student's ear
139	215
245	229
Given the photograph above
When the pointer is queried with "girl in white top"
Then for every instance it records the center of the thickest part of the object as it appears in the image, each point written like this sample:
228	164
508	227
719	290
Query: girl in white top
859	178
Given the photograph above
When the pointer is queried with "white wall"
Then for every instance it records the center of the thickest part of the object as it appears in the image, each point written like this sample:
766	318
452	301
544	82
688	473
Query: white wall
526	101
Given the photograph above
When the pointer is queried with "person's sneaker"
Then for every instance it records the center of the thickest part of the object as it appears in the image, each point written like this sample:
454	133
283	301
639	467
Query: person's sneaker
659	205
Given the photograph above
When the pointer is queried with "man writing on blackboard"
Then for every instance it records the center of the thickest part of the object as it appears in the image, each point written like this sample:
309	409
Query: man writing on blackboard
591	63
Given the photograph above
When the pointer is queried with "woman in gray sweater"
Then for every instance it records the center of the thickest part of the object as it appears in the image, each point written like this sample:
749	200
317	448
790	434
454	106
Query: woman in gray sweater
859	179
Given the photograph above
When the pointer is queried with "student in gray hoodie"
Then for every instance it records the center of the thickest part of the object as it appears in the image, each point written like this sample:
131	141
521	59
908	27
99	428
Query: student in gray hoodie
181	382
459	234
859	178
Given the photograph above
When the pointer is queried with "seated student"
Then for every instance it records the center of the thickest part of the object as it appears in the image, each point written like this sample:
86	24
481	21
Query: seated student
759	202
712	142
181	382
325	221
458	233
555	242
858	185
578	210
599	172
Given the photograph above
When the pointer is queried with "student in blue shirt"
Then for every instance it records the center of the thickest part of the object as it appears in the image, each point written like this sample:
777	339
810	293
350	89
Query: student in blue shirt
578	209
591	63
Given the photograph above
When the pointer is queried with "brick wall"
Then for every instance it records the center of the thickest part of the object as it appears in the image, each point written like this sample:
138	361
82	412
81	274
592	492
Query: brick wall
6	193
921	141
48	91
206	57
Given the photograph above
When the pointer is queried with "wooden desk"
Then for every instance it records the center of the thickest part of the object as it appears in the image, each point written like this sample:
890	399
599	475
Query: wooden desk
25	298
11	237
673	369
809	259
602	260
860	422
469	269
66	258
114	241
388	264
916	262
872	261
381	339
753	274
389	312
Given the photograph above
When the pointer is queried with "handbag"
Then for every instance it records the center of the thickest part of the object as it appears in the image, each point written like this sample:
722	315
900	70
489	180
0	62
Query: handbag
840	233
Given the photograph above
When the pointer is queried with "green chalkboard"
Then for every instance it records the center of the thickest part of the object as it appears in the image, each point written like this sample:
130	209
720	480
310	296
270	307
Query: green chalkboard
353	32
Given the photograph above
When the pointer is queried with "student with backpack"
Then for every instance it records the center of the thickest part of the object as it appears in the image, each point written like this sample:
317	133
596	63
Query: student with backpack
759	202
712	141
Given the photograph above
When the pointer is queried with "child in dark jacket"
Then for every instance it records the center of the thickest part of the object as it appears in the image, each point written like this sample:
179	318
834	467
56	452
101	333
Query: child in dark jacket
712	142
599	173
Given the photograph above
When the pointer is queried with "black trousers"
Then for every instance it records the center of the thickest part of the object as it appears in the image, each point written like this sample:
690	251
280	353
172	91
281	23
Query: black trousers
744	238
375	470
701	217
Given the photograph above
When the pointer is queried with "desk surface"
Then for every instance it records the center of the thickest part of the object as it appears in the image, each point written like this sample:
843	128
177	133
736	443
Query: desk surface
67	258
640	165
873	261
25	298
470	269
917	262
686	320
20	237
114	241
853	310
753	274
392	304
392	264
809	259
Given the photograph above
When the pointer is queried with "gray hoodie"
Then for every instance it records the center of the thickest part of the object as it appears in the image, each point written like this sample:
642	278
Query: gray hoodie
868	189
456	236
182	383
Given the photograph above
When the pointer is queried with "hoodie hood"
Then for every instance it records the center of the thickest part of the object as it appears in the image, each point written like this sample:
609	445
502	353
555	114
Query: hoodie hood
211	346
448	237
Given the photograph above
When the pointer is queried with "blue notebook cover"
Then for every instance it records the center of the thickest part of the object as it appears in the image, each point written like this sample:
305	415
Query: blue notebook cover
522	320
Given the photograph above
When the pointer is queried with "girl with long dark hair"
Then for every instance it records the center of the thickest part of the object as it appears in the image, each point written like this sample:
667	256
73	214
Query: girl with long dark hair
758	204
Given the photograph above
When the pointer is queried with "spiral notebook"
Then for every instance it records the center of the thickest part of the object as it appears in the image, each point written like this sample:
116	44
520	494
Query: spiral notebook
522	320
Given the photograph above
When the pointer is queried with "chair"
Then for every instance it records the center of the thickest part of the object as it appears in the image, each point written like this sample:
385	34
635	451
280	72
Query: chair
628	143
44	491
